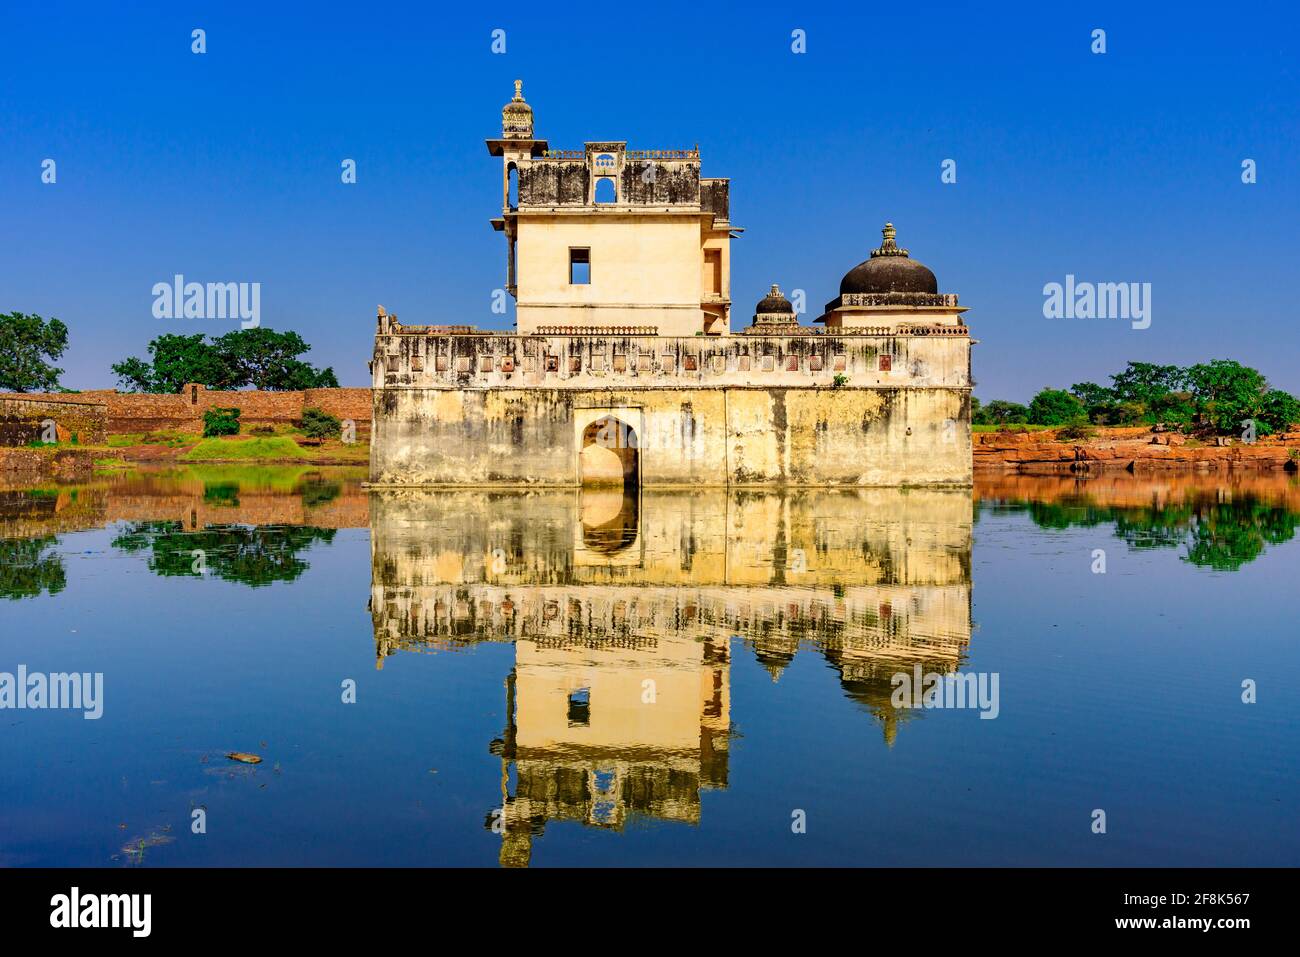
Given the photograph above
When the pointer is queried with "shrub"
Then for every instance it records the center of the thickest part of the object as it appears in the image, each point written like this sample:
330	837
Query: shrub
840	380
1077	430
319	424
220	421
1055	407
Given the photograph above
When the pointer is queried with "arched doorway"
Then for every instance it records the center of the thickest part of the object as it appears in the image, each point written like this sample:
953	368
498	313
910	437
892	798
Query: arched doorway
610	455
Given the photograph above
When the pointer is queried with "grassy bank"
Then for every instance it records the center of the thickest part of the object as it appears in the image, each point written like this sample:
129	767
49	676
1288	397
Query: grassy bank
274	448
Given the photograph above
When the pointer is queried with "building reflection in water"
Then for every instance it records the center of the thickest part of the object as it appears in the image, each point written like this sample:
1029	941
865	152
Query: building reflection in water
624	611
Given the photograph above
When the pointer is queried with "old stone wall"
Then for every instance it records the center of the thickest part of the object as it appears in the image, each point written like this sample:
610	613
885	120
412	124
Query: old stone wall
126	412
682	437
627	360
23	418
739	410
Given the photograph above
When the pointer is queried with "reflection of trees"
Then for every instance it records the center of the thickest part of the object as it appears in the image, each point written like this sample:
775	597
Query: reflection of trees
27	569
1215	534
318	491
221	493
253	555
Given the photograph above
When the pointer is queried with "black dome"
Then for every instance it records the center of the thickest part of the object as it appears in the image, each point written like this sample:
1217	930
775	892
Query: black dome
889	270
774	302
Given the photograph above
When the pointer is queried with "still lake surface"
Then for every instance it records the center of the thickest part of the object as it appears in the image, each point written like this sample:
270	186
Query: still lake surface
665	679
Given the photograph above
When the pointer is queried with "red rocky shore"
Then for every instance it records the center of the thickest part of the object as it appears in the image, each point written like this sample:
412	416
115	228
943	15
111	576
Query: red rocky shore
1132	449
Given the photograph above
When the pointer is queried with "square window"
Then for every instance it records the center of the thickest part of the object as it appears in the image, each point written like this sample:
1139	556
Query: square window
441	363
719	363
669	362
840	364
462	363
552	363
597	363
690	363
791	363
579	708
742	363
620	363
508	364
886	362
644	362
769	363
417	364
575	363
579	267
814	363
530	364
485	364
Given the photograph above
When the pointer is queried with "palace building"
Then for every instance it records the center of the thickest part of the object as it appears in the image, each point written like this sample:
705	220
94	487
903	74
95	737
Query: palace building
624	367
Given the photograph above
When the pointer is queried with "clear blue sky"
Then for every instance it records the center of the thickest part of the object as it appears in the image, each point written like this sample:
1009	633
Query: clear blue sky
225	167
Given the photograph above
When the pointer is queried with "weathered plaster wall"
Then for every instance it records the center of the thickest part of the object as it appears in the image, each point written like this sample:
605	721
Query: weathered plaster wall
684	437
738	410
647	275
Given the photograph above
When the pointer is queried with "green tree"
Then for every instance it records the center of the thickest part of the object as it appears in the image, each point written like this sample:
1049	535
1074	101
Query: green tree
1091	394
1055	407
28	344
1227	393
1278	411
1145	382
1176	408
1002	412
266	359
261	358
176	360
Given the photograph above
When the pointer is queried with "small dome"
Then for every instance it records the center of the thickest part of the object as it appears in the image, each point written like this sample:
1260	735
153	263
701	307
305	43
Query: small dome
889	270
517	104
774	302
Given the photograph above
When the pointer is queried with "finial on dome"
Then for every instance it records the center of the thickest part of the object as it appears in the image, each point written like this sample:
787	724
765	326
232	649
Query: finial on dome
889	247
775	290
519	91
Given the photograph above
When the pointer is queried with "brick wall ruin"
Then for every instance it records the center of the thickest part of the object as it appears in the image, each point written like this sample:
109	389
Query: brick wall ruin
23	420
125	412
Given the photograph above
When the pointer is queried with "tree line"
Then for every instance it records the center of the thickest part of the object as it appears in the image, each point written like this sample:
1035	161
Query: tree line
258	358
1220	396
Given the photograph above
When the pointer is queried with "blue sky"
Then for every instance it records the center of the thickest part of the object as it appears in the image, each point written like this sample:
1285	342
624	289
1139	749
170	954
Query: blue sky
1122	167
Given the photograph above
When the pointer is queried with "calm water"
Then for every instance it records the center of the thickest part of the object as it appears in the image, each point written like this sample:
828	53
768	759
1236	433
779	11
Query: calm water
565	679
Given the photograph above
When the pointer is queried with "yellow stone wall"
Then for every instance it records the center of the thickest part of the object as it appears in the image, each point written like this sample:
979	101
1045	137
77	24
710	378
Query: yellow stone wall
739	410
